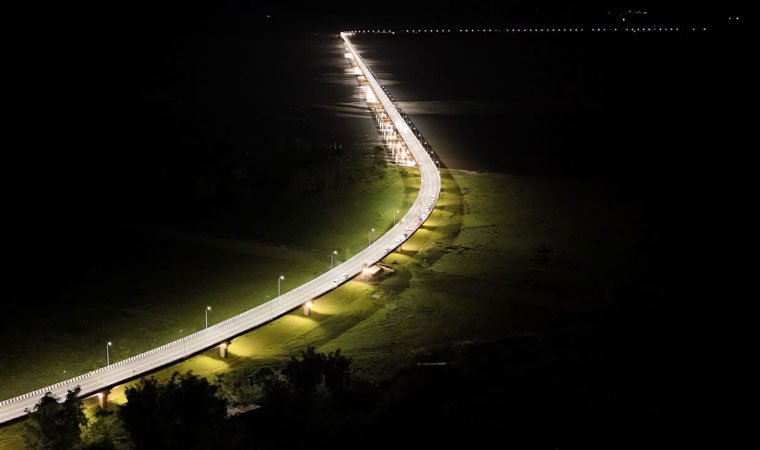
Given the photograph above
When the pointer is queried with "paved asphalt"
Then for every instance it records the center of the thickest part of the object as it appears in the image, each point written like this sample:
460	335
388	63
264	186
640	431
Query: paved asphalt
144	363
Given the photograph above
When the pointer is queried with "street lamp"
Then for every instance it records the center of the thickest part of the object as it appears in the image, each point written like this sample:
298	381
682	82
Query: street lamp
279	280
394	217
332	258
369	236
208	308
108	354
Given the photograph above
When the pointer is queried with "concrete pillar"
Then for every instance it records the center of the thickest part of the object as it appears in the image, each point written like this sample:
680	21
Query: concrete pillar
307	308
223	348
103	398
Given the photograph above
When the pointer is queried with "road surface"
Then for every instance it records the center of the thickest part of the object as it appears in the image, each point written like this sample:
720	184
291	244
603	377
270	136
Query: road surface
144	363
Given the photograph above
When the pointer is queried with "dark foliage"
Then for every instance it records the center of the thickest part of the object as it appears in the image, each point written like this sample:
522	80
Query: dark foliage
181	413
55	425
305	374
336	372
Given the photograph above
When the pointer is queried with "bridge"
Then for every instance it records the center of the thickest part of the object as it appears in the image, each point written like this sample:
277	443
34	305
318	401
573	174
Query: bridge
100	381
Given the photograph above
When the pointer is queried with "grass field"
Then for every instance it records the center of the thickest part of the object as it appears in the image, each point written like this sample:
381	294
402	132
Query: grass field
500	256
461	279
161	294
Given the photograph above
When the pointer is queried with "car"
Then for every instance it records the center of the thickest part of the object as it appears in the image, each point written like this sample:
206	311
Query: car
344	276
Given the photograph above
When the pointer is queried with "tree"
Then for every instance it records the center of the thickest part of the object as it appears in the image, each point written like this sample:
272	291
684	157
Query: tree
305	374
105	431
181	413
272	384
336	372
55	425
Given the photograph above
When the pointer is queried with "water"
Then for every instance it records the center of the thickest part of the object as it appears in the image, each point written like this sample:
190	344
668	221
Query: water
161	130
662	124
599	106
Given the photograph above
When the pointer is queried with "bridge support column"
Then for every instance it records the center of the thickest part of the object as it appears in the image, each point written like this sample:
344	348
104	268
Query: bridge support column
223	348
103	398
307	308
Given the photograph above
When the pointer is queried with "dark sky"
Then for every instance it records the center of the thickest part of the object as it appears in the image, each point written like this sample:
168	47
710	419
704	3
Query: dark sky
143	16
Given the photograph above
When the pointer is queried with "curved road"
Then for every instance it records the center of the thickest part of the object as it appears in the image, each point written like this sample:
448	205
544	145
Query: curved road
144	363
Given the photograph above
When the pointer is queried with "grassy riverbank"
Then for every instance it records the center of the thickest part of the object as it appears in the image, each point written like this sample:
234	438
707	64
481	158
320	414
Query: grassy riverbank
161	280
501	256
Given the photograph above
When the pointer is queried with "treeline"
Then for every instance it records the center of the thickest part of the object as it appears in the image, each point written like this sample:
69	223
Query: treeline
583	388
187	411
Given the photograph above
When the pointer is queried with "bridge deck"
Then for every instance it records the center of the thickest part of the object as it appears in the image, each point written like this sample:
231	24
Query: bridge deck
144	363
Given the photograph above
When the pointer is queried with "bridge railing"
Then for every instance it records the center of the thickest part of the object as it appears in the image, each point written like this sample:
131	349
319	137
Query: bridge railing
281	304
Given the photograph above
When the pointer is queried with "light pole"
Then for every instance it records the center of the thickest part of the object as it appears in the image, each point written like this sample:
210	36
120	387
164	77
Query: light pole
279	280
394	217
208	308
108	353
332	258
369	236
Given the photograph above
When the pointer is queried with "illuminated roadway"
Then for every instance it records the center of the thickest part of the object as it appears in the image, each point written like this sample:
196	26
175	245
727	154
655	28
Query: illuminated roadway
115	374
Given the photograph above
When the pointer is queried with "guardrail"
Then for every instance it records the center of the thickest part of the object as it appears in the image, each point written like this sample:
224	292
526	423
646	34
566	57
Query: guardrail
114	374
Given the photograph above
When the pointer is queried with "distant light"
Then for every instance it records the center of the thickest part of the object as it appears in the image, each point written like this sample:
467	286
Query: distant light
208	308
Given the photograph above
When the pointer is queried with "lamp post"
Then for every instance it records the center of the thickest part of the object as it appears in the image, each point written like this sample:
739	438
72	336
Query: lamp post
332	258
394	217
108	353
369	236
208	308
279	280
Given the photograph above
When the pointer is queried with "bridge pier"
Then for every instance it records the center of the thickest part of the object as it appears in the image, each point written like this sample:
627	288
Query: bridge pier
307	308
223	348
103	398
